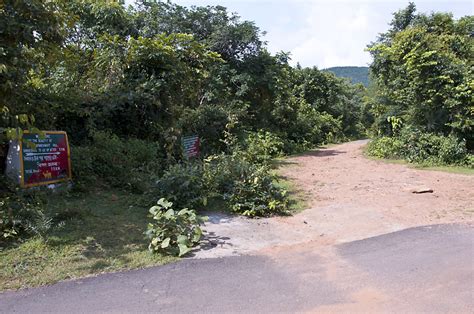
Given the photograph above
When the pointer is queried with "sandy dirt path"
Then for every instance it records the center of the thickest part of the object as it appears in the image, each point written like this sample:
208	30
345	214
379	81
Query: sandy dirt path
350	197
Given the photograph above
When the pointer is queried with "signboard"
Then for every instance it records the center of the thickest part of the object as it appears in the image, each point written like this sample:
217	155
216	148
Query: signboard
44	159
190	146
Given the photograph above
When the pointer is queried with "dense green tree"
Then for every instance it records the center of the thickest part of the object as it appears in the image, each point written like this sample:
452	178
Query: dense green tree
30	32
423	71
159	70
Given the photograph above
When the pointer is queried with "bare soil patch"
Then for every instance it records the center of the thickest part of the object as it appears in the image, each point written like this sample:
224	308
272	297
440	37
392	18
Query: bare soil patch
350	198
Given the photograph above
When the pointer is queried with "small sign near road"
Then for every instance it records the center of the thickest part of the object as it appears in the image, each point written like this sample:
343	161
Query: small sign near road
44	158
190	146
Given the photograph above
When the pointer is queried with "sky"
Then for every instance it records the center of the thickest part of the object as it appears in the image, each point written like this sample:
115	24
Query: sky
325	33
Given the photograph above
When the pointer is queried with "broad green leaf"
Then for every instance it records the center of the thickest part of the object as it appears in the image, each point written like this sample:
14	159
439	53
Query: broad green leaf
169	213
197	235
182	239
183	249
165	243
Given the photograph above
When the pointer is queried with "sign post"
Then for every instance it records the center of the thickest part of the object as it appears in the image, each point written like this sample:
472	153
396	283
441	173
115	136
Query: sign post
44	159
190	146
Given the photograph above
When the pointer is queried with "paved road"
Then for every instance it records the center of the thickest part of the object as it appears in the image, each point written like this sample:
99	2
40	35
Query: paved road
419	269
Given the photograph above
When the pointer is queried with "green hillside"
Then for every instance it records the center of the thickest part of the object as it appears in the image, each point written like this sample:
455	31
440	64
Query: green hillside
355	74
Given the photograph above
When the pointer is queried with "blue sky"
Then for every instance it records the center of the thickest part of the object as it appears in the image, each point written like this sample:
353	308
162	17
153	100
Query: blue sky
326	33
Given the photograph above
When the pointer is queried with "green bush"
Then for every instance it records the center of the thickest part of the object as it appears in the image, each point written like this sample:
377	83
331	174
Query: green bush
183	184
126	163
311	128
385	147
423	148
429	148
453	151
21	212
247	188
256	195
173	232
261	147
221	171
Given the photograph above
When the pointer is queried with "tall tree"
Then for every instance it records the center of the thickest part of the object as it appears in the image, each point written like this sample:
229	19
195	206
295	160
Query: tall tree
423	70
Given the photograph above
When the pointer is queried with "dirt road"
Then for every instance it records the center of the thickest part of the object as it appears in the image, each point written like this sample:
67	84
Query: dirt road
350	198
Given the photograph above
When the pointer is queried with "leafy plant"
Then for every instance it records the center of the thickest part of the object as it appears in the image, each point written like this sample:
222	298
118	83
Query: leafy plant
173	232
256	195
246	188
129	164
21	213
183	185
262	146
423	148
385	147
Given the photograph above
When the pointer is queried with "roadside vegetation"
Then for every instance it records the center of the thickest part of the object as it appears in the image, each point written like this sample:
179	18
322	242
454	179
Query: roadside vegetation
423	95
101	231
127	84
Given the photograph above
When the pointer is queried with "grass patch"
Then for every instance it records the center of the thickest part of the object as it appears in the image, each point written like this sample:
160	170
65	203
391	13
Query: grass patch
451	169
298	198
103	232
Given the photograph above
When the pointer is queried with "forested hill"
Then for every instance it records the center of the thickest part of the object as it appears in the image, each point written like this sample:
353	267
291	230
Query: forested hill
356	74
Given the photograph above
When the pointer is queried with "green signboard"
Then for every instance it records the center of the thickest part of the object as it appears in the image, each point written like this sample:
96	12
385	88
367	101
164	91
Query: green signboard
44	158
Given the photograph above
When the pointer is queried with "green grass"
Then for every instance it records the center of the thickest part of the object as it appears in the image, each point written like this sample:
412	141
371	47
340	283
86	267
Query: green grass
298	198
451	169
103	232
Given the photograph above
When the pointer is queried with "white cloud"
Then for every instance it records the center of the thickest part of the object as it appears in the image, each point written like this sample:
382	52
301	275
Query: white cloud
332	34
326	33
336	33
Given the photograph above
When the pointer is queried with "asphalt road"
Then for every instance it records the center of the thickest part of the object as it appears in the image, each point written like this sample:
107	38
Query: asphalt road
426	269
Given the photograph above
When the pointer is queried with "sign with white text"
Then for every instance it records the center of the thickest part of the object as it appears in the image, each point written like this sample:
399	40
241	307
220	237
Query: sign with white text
44	158
190	146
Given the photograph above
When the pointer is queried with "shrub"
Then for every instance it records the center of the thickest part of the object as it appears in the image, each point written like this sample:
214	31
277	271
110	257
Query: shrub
453	151
310	129
433	149
182	184
247	188
385	147
470	161
261	147
21	212
126	163
256	195
173	232
422	148
221	171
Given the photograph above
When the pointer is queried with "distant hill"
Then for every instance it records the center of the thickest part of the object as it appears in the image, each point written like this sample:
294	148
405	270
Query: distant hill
355	74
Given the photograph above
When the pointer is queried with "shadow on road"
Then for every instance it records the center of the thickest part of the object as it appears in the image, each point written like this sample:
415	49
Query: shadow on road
325	153
210	241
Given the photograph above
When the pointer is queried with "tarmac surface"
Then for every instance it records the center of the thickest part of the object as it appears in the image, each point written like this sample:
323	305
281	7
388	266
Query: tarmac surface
420	269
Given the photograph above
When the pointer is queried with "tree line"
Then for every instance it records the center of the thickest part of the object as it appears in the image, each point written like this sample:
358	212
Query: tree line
159	70
422	98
